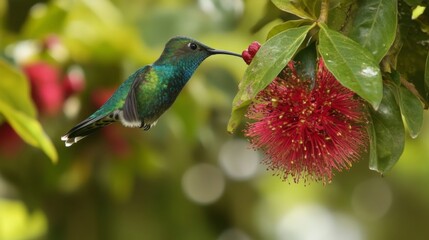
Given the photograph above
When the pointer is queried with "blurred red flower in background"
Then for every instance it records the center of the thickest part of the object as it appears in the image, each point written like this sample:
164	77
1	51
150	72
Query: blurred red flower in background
308	128
46	89
10	142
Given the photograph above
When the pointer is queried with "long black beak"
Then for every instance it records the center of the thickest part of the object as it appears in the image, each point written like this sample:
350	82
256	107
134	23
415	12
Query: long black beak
214	51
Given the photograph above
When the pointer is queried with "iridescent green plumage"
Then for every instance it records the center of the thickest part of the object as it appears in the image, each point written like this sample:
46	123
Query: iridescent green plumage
150	91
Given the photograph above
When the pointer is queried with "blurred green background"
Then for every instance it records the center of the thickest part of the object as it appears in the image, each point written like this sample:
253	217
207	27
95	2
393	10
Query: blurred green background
187	178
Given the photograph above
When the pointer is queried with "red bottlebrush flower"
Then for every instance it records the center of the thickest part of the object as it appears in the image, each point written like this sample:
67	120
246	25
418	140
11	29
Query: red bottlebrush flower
308	129
250	52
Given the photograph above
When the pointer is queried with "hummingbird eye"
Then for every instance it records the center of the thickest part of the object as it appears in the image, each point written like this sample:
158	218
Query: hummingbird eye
192	46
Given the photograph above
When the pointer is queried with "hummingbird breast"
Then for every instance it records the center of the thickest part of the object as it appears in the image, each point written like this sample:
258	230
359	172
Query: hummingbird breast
158	92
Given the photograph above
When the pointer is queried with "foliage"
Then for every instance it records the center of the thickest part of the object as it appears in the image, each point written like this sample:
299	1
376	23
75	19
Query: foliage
361	46
18	110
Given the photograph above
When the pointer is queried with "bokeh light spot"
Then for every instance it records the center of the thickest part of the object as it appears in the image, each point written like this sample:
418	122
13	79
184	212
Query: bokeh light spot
372	199
238	160
309	222
203	183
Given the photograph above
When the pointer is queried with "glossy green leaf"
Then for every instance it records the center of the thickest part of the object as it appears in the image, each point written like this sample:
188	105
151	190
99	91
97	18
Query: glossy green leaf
412	110
17	108
353	66
285	26
427	72
372	151
339	14
374	26
271	58
388	135
412	52
410	105
306	9
306	59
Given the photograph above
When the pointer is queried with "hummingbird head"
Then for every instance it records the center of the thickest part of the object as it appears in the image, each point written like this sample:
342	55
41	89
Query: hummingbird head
187	53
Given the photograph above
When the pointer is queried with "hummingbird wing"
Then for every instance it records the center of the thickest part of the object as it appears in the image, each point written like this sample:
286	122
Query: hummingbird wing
131	116
111	111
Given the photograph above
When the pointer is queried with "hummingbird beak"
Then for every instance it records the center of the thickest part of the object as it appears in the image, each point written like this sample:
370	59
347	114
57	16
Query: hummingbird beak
214	51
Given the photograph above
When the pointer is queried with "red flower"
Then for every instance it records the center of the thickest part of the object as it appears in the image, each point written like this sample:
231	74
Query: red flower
45	87
250	52
308	131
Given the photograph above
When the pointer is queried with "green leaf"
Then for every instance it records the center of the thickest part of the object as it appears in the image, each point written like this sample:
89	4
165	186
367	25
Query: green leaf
410	105
306	59
306	9
427	72
285	26
339	14
412	110
388	135
353	66
14	90
372	154
374	26
29	129
411	58
271	58
17	108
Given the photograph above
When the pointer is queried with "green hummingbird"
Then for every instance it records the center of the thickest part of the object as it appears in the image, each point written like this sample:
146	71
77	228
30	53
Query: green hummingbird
150	91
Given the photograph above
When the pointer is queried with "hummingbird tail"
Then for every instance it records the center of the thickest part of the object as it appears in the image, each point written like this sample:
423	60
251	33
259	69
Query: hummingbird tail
87	127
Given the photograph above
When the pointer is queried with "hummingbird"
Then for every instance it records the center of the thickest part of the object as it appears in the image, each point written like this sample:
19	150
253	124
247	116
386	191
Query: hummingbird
147	93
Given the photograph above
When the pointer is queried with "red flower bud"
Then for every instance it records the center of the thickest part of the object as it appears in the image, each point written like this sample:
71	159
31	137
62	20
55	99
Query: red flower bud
246	56
250	52
254	47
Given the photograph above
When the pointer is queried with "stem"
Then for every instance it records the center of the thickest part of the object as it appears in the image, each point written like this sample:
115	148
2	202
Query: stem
324	9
